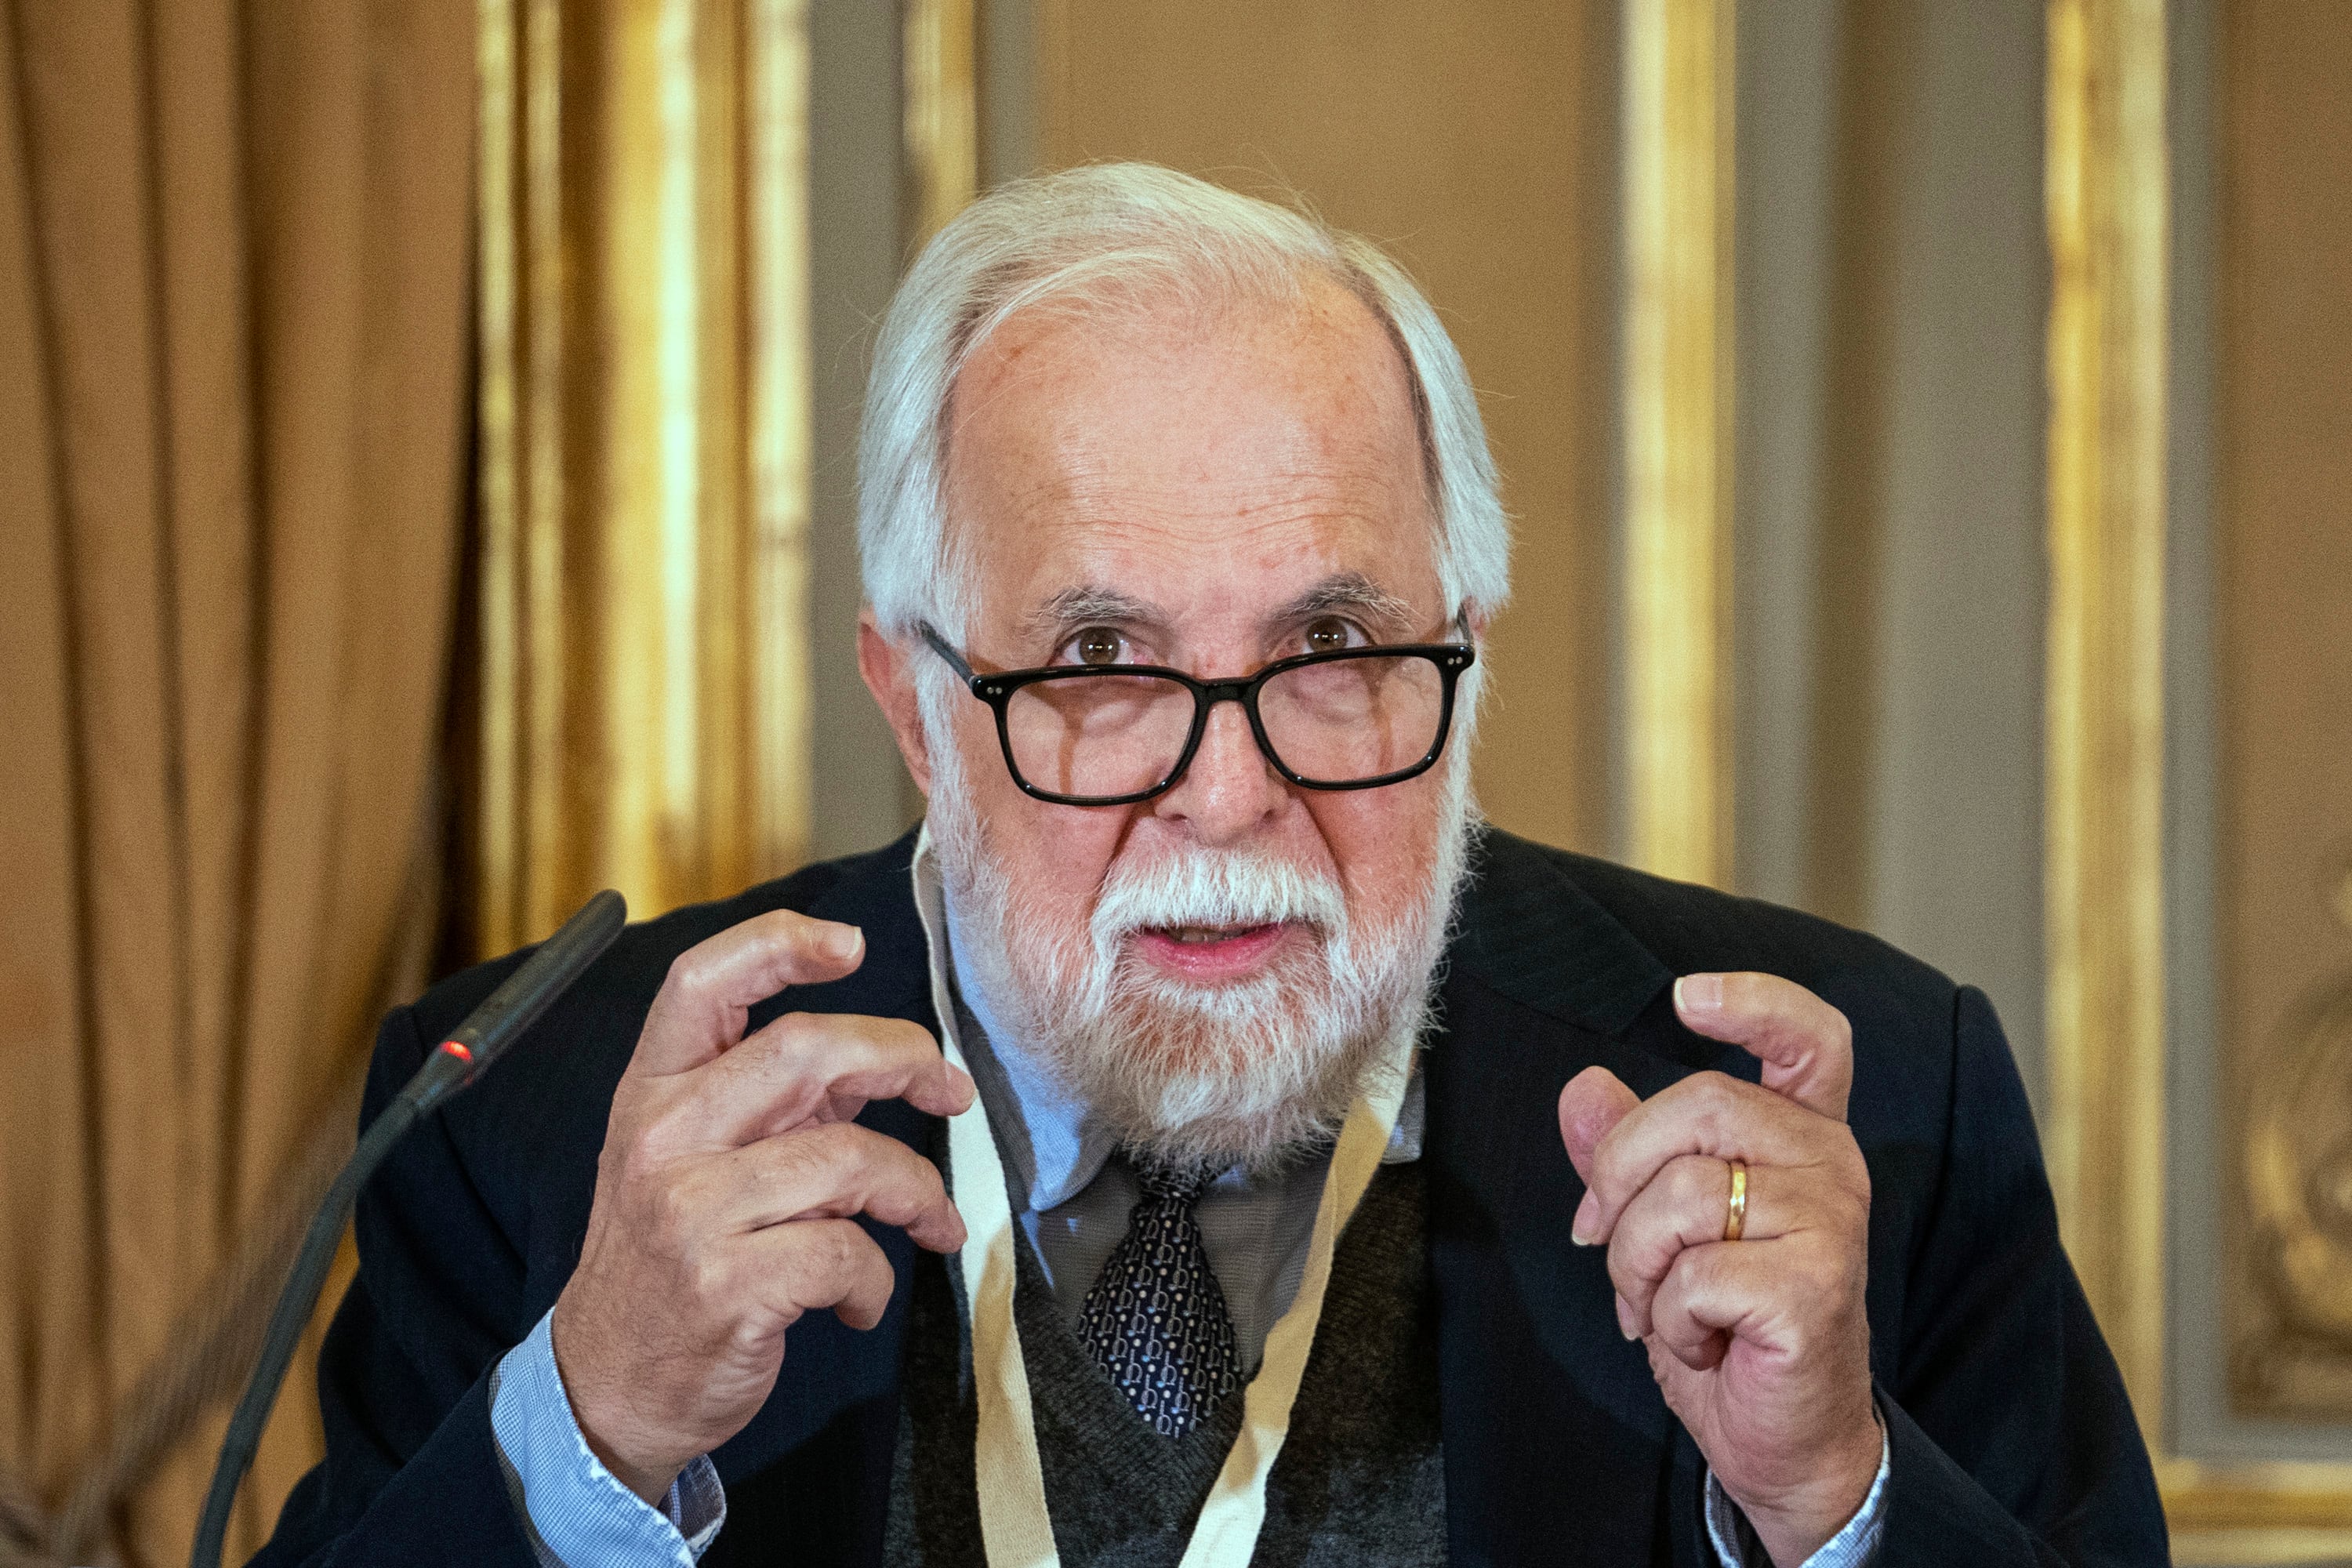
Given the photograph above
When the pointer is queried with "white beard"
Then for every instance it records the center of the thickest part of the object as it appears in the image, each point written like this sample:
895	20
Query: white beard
1191	1074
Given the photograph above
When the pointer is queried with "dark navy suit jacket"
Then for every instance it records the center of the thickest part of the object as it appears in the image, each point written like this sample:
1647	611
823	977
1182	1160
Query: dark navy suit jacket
2012	1440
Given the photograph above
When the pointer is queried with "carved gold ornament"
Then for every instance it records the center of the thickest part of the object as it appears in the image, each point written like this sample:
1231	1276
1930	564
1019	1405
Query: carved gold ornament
2299	1163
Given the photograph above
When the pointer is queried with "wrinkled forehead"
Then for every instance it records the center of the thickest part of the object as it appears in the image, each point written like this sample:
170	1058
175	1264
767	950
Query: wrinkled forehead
1201	456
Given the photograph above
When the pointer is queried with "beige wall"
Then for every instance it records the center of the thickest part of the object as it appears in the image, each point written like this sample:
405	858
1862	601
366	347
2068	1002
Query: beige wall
861	795
1473	138
1892	299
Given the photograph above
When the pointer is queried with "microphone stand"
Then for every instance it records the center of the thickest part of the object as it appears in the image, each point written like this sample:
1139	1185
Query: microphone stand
453	1067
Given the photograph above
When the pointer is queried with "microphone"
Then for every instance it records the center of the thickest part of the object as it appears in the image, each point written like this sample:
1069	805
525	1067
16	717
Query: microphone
453	1067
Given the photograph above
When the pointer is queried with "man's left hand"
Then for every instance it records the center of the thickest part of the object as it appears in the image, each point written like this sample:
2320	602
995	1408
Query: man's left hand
1761	1346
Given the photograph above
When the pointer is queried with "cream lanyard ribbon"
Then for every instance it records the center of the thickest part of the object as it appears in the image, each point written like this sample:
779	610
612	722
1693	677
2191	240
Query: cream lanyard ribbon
1015	1528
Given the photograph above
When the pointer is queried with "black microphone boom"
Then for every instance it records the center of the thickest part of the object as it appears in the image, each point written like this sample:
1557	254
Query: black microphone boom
454	1065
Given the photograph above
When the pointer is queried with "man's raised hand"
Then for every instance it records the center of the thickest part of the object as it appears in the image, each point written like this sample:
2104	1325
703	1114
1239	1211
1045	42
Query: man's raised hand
726	1194
1761	1346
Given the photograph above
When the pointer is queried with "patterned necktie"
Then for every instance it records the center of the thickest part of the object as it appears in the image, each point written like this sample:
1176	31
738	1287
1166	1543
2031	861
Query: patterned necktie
1156	1319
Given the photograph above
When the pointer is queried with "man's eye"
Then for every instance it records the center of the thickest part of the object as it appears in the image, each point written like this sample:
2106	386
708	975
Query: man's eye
1330	633
1097	644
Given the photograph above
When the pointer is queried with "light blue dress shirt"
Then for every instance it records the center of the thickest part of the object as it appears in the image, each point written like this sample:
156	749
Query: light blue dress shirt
579	1515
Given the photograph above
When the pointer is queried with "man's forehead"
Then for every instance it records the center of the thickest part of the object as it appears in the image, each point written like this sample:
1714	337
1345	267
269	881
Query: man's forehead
1311	384
1280	450
1241	569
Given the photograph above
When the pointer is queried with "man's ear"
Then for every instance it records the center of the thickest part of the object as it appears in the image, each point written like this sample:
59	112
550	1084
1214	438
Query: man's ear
890	675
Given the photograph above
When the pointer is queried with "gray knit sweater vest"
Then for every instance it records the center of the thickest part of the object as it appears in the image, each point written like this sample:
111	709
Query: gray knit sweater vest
1360	1477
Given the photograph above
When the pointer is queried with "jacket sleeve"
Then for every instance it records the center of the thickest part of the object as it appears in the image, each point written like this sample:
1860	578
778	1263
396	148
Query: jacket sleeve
412	1473
2013	1442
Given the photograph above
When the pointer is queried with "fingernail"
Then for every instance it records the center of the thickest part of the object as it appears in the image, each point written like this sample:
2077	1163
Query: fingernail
843	941
1698	993
1588	1220
1625	1319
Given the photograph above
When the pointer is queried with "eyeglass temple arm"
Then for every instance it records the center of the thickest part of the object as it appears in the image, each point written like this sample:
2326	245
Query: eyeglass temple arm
946	651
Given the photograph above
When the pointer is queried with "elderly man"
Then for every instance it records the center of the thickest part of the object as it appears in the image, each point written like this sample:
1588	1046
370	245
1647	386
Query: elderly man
1204	1141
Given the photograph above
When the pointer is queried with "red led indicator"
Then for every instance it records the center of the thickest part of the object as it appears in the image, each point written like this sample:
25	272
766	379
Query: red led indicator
460	1052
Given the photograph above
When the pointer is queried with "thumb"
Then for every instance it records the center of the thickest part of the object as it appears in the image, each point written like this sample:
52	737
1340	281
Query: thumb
1594	1101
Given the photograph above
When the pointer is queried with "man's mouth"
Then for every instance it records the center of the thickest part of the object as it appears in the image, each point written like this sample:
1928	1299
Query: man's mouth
1192	936
1214	952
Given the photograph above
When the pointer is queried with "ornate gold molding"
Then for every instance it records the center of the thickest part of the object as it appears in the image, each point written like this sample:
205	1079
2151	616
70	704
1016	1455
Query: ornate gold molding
1678	415
2291	1352
2104	866
644	455
2240	1515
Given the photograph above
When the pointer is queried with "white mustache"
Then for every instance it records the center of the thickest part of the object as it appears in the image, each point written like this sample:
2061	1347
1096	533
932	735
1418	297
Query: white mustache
1215	888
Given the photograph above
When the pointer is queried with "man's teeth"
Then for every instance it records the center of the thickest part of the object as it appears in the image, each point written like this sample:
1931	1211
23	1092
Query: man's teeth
1206	934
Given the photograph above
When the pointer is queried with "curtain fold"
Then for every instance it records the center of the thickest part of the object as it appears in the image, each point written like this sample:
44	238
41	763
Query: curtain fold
234	296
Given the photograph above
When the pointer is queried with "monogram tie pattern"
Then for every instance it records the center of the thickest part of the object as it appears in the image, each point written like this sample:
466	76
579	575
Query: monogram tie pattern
1156	1319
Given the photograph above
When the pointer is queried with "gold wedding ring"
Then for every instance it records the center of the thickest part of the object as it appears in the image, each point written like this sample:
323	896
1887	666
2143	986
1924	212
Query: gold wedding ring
1736	1220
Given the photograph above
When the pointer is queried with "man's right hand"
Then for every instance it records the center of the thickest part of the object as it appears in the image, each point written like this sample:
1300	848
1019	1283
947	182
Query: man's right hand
731	1171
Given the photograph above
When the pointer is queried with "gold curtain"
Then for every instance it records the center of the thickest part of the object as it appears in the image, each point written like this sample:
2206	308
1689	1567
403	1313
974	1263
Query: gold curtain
641	715
233	296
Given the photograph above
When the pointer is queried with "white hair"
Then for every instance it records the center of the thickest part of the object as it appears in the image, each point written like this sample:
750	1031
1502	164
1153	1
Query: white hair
1114	235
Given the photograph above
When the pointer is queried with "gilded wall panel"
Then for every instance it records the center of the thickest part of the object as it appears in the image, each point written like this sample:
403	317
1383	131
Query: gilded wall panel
2286	707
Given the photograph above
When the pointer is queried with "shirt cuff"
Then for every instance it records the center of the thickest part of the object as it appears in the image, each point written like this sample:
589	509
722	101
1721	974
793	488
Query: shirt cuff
1852	1547
578	1512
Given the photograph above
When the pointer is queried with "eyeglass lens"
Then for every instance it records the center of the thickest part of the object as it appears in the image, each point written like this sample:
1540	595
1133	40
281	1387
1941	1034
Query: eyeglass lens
1336	722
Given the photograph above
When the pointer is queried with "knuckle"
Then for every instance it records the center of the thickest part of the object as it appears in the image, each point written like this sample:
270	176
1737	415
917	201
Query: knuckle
707	1278
1625	1271
689	972
749	1335
1713	1090
838	1247
665	1129
1714	1098
1693	1182
1693	1267
798	1033
842	1147
677	1202
1824	1274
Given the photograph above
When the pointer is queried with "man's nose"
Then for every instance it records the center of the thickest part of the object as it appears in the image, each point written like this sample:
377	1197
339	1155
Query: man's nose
1230	786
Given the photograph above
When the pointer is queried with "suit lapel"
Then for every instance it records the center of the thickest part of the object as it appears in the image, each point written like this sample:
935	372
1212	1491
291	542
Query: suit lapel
1557	1446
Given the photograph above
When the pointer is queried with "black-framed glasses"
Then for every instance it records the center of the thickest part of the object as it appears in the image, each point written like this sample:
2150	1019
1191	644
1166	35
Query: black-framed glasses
1111	734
